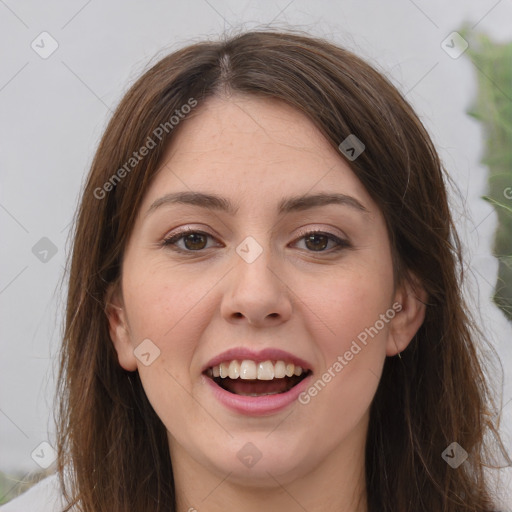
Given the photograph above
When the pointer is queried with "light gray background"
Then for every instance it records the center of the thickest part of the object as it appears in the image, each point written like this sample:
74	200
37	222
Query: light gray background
53	112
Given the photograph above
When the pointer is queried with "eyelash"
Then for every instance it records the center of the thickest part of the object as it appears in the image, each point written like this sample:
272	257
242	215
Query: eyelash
171	241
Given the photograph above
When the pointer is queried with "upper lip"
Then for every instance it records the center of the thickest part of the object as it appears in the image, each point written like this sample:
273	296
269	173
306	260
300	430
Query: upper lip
267	354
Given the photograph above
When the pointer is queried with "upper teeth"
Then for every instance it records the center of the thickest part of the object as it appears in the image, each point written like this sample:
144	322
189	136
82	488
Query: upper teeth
250	370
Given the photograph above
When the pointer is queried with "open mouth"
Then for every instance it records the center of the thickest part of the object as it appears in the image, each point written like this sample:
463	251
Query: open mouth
248	378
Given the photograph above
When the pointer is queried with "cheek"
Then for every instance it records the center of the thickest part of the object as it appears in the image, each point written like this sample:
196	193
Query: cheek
352	301
352	342
352	305
161	308
165	306
161	300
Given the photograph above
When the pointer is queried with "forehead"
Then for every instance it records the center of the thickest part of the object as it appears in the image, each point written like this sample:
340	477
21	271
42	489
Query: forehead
252	149
243	125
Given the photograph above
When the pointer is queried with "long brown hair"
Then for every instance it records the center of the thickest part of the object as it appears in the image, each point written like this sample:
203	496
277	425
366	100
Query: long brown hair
436	393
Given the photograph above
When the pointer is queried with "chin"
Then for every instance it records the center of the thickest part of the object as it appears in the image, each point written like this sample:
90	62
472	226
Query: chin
260	462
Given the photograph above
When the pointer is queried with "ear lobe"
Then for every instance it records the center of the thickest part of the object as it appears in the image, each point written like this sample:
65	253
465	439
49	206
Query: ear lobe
412	297
118	328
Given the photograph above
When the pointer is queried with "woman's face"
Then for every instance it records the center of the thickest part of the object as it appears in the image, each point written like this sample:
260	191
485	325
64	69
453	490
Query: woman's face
252	283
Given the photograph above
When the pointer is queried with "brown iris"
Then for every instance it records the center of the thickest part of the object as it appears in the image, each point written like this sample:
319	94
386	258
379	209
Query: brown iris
322	244
195	241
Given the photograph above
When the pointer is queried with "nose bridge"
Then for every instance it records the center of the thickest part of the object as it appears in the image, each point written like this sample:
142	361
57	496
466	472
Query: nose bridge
253	268
257	292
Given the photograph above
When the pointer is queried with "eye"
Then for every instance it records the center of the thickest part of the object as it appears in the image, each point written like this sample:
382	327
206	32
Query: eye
192	239
195	241
318	241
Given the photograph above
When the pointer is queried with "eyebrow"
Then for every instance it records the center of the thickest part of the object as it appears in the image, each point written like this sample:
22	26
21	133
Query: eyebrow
287	205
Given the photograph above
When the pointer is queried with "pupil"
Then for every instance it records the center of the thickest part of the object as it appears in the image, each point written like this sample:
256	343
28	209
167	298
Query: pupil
322	245
193	238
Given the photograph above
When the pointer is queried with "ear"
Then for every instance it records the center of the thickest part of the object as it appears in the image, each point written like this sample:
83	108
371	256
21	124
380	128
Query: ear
118	327
412	298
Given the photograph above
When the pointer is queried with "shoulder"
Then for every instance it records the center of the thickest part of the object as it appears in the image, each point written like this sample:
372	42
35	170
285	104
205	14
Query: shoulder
45	496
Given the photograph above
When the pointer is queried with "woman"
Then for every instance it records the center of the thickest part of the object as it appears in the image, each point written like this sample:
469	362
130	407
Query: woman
265	305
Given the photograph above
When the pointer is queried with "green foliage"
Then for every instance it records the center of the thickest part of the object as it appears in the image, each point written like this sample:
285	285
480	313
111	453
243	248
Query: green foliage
493	108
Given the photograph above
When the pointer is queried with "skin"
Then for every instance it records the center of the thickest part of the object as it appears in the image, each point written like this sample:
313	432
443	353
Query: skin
313	304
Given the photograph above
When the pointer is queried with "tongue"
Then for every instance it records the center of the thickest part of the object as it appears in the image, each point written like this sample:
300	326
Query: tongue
260	387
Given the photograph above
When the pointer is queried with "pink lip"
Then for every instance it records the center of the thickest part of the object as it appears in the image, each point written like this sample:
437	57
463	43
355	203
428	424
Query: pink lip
268	354
257	405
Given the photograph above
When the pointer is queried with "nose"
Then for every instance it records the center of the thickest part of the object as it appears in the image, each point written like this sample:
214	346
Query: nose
257	292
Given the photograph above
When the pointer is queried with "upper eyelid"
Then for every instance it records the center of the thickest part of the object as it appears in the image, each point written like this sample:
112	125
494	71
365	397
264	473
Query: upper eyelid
185	231
301	231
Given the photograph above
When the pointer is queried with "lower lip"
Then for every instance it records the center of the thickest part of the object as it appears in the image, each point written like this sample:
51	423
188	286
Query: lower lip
257	405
